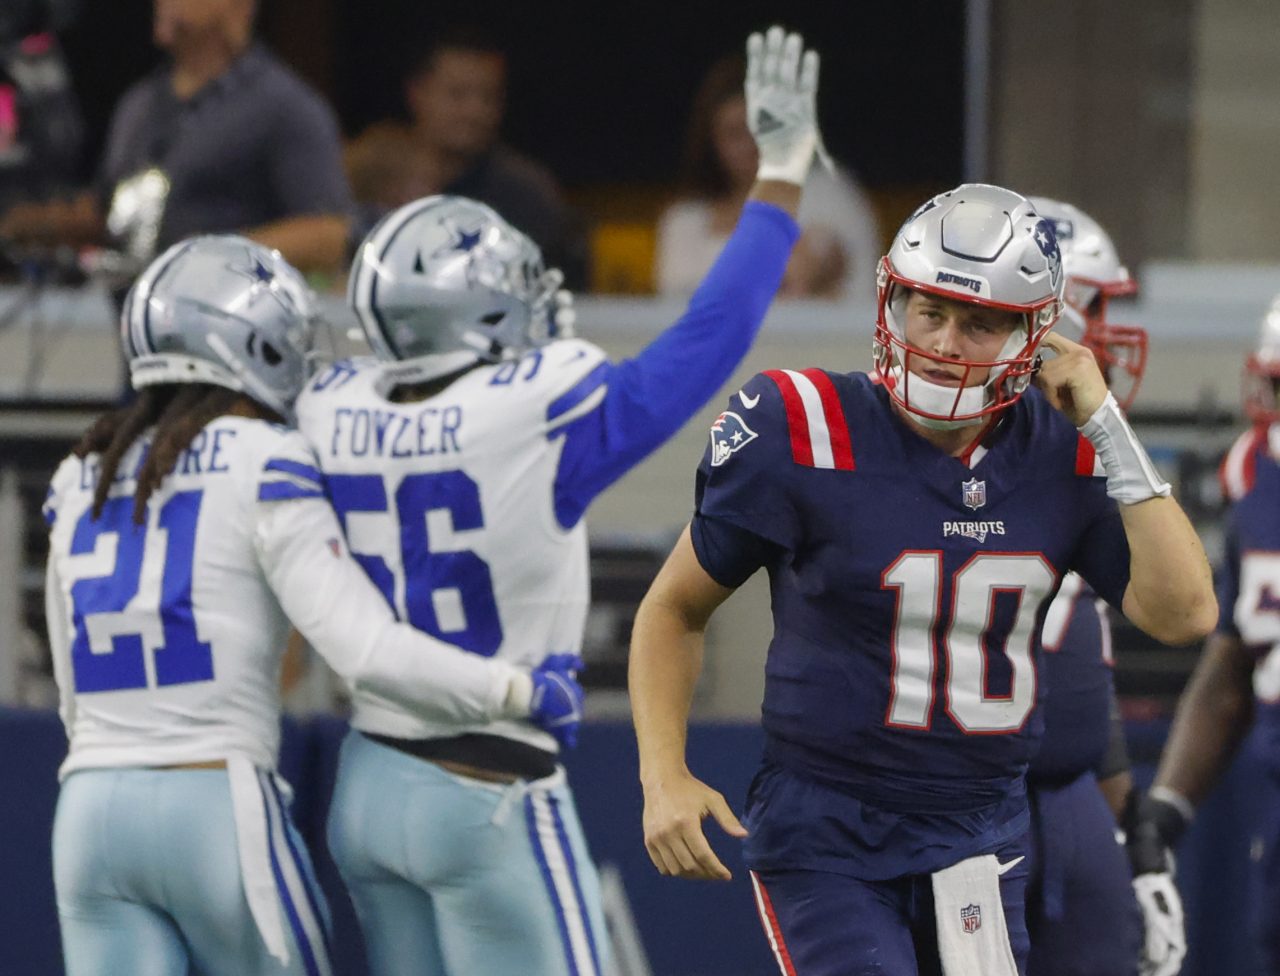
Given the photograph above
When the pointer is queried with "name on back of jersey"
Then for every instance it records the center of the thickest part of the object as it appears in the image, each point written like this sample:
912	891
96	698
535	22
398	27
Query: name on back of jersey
206	454
416	432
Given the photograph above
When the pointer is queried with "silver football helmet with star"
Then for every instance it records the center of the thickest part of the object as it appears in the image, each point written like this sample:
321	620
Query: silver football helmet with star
445	282
986	246
223	310
1095	276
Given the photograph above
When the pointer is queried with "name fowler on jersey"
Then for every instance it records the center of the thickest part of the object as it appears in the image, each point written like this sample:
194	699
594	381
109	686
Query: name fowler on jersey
421	432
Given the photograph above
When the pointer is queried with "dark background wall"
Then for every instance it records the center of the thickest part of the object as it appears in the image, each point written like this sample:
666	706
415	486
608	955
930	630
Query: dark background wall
601	92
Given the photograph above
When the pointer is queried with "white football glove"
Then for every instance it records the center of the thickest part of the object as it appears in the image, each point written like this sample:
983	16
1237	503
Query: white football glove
781	92
1165	945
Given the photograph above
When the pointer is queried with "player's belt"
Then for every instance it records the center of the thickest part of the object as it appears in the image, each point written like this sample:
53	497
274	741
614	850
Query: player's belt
492	753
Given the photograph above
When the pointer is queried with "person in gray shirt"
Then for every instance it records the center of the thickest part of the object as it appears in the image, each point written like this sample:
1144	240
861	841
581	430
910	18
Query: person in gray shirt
222	137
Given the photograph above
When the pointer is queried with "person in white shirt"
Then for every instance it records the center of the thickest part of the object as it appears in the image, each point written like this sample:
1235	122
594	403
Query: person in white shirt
836	255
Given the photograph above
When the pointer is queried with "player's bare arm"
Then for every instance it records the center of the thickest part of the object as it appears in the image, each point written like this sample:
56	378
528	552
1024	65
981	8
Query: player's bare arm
666	659
1170	594
1214	713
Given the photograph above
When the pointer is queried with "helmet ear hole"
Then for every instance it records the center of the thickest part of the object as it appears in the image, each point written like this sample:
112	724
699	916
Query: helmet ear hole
271	354
493	318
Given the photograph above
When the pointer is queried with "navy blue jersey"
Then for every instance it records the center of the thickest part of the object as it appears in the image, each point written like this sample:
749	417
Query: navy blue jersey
1077	685
909	587
1248	580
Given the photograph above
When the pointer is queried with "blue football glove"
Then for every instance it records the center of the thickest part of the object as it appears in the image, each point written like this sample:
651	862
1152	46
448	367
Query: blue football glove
556	706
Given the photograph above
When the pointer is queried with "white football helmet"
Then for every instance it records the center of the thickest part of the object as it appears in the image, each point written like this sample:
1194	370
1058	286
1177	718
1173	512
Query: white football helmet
221	309
444	282
1262	371
985	246
1094	277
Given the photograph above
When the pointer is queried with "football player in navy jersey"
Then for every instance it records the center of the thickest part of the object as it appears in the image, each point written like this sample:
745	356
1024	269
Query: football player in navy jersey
462	461
914	525
1236	683
1081	910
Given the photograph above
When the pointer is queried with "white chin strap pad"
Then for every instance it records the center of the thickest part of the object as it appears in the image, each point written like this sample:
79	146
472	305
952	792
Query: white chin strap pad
920	395
973	939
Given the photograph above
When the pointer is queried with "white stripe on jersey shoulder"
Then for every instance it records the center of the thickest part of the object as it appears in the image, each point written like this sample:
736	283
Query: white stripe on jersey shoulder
570	387
1235	466
819	433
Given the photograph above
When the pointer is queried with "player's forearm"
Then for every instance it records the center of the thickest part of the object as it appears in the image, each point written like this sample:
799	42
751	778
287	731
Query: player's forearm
1115	790
653	395
1170	594
779	193
1213	716
666	660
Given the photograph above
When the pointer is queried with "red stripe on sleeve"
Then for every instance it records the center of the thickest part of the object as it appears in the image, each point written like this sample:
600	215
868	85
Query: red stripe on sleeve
797	422
1084	456
837	427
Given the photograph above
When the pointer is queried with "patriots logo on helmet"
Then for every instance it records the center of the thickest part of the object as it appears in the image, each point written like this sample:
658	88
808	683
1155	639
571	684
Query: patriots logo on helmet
1047	240
971	918
729	434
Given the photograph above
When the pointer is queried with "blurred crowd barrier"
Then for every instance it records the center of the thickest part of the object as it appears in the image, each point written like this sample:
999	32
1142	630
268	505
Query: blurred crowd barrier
658	926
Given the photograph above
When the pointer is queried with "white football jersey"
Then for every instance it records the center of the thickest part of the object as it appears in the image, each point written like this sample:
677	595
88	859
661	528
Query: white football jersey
167	637
449	503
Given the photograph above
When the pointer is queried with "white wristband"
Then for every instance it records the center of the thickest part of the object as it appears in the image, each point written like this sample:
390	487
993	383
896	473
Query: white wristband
1131	477
1175	800
516	702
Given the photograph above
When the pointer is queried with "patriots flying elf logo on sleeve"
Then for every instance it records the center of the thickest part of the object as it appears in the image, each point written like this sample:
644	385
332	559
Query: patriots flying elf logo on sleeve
729	434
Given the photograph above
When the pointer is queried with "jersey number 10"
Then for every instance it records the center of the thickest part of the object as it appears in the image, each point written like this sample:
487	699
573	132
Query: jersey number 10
917	577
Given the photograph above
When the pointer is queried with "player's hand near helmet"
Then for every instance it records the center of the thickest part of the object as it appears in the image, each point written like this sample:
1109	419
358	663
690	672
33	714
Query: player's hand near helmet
1070	378
781	93
1152	827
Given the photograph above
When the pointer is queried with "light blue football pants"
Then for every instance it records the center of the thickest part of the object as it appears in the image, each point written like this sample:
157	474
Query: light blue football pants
148	881
455	877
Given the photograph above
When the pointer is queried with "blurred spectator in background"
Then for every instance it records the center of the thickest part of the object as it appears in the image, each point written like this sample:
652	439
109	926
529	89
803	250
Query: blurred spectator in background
455	94
837	253
41	129
221	137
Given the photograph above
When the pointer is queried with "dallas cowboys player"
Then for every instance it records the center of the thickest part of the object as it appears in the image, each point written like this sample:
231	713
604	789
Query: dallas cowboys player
183	529
1081	912
1236	684
462	464
914	526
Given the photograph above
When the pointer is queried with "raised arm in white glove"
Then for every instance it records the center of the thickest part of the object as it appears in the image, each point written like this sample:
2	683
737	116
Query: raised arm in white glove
781	93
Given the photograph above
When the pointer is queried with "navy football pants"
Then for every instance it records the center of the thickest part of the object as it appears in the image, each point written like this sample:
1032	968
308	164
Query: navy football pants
824	924
1081	911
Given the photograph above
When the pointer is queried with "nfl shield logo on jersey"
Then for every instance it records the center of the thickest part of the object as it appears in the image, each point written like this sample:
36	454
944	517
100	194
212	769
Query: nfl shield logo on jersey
729	433
971	918
975	493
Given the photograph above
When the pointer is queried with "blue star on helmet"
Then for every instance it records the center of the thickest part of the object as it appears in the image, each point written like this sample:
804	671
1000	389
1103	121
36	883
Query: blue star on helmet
461	239
264	280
